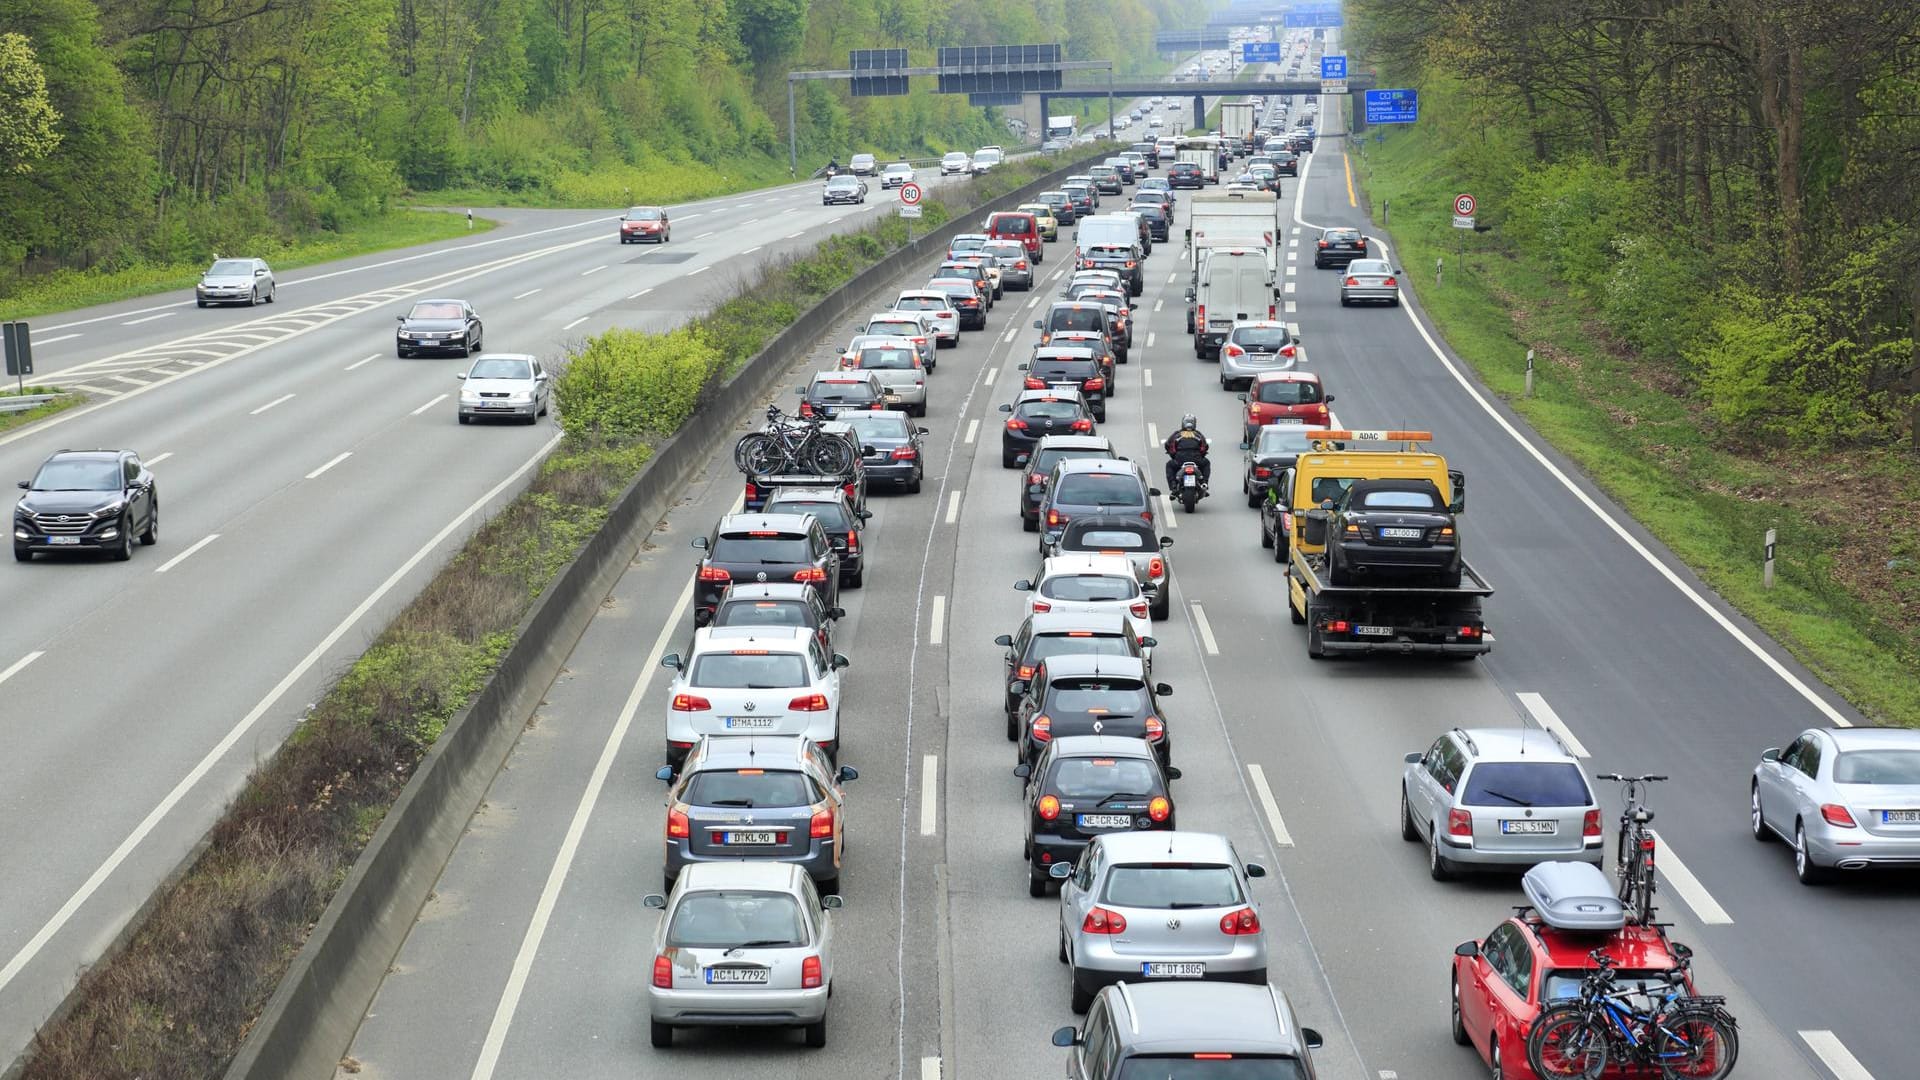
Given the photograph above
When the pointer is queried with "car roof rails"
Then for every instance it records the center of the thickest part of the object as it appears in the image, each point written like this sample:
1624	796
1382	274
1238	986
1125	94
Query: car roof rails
1466	738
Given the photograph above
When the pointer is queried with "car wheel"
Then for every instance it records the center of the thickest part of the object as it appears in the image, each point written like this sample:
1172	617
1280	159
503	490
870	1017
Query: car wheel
1063	946
1499	1071
1344	302
1459	1028
816	1034
1030	524
124	550
1161	607
1013	729
857	581
1036	885
662	1035
1760	830
152	535
1439	867
199	303
1408	831
913	485
1081	998
22	554
1253	501
1395	302
273	293
1804	868
465	419
253	298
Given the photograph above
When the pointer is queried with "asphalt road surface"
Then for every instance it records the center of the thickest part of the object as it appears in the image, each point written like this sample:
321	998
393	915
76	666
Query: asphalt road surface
531	959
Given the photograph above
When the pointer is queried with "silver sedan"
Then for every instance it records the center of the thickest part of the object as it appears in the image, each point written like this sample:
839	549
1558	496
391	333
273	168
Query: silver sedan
1370	281
742	944
1845	798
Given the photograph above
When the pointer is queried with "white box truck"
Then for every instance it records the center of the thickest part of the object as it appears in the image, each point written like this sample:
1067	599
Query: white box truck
1230	219
1209	162
1061	127
1236	125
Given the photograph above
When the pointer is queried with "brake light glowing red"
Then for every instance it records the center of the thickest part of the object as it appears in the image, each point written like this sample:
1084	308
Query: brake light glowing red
1261	472
820	827
714	573
1036	383
1390	281
1351	281
1094	384
1156	567
904	453
678	827
1159	809
1591	825
1025	671
1102	921
811	573
1042	728
1838	815
810	976
809	703
1048	807
853	540
1016	424
1231	350
1042	607
690	703
1082	425
1237	923
663	972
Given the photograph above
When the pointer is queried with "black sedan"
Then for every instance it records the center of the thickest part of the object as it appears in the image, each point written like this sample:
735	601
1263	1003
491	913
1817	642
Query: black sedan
1159	221
87	500
1285	162
435	326
1398	529
890	446
764	548
1087	786
1274	449
1338	247
845	188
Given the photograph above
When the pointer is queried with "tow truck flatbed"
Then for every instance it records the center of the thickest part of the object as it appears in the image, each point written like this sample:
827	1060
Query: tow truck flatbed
1407	619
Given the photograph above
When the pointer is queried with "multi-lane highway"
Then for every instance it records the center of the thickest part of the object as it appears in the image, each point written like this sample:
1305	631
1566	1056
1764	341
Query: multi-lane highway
531	959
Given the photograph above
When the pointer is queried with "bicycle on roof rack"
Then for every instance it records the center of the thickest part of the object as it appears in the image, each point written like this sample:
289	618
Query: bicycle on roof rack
791	444
1633	857
1680	1034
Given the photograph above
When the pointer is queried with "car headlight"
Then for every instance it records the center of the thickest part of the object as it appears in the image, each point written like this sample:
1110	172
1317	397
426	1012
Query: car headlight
520	397
111	509
469	397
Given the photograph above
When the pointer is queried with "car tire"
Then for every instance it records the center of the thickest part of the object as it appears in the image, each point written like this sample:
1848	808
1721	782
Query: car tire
857	581
1266	538
1036	885
1804	868
465	419
1007	462
1344	302
1408	830
1439	867
1458	1026
1760	830
273	293
816	1034
403	354
22	553
1499	1071
1280	550
152	534
1081	998
1161	607
1063	946
1028	524
1395	302
124	550
913	486
199	303
662	1035
828	886
253	298
1013	731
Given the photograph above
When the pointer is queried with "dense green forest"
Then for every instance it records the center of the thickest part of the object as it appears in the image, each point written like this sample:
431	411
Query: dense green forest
1730	183
157	130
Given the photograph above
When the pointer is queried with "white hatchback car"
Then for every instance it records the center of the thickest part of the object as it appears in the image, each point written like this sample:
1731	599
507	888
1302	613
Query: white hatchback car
741	680
937	308
1090	584
907	324
504	384
747	944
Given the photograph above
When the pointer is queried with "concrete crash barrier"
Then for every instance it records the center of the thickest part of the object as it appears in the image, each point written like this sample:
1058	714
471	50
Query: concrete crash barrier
310	1021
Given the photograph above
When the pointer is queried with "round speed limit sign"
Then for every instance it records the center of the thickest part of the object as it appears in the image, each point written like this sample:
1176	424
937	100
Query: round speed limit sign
910	194
1464	205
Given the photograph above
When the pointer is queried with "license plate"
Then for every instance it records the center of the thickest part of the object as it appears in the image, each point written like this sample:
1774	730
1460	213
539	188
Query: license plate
493	404
1529	827
1374	631
1900	817
63	541
755	837
1105	821
1286	420
749	976
749	722
1160	969
1391	533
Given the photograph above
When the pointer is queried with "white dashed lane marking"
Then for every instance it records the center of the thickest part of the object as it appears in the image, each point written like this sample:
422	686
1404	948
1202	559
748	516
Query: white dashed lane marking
938	626
973	428
276	401
1826	1046
1281	837
337	459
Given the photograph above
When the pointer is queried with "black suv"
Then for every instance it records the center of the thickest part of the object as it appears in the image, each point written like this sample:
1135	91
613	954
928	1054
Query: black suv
1085	786
1393	528
843	525
96	500
439	326
1338	247
1052	449
1092	695
764	547
1068	633
1186	174
1067	368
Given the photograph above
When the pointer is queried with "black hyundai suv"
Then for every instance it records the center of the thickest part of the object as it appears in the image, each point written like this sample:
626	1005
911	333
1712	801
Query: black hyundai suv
764	548
87	500
1393	528
1085	786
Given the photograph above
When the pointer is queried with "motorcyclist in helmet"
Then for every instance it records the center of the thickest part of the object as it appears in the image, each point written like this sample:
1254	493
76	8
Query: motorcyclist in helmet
1188	444
833	167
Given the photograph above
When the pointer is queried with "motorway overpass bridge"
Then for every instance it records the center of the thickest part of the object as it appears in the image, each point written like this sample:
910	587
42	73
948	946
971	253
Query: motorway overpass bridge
1231	89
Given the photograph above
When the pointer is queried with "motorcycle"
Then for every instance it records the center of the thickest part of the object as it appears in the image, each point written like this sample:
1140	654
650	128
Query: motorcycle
1191	490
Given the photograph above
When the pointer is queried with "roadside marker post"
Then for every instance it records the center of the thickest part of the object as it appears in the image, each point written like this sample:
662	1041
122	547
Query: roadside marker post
1529	372
1766	568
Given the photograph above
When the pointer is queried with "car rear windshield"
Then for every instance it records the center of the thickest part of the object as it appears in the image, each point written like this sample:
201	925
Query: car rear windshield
965	243
1049	645
1098	777
1171	885
1287	392
1100	489
1044	461
1525	783
1108	253
1399	500
1063	370
501	369
832	516
1111	540
1048	410
728	918
868	426
1333	235
747	669
921	303
1877	767
1192	1066
1089	587
884	358
1565	983
750	788
1283	439
780	547
434	311
895	329
1076	318
1005	250
842	393
764	613
1096	697
1260	337
1013	226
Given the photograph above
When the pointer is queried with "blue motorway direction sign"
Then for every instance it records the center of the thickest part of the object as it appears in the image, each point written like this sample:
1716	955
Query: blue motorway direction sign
1333	67
1260	52
1309	19
1393	106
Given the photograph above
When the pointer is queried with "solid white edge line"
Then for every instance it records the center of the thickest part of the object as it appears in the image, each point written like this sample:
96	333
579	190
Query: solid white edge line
39	341
338	458
936	626
428	405
1839	1061
1201	624
1705	907
14	668
92	885
953	506
158	458
358	363
569	847
929	793
182	557
702	270
1550	720
973	428
276	401
1281	837
147	318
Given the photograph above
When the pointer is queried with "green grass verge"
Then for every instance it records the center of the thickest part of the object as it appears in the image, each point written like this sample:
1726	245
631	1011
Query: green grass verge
66	290
1638	435
11	420
626	185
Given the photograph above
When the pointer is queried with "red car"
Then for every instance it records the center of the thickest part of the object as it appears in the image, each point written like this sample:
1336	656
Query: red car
1280	397
645	225
1018	225
1501	981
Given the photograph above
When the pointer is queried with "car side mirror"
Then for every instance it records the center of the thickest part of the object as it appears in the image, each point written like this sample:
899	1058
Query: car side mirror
1242	397
24	485
866	515
1254	870
672	662
832	902
701	543
1023	770
1172	772
1466	948
1023	367
1006	408
460	375
1166	542
653	900
1005	640
1149	642
1771	753
1023	585
922	431
1153	491
665	774
1244	445
1017	686
1163	690
840	661
1312	1038
1330	399
1060	871
1414	757
847	774
836	613
399	318
1065	1037
1456	480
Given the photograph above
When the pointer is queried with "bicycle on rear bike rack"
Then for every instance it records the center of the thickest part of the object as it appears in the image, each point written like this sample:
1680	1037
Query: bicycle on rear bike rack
1633	858
791	445
1681	1035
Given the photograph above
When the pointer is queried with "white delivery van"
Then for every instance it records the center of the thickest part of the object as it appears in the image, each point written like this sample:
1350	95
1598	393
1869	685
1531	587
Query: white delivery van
1231	285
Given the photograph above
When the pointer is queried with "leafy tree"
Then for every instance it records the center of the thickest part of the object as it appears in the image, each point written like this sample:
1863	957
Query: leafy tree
27	119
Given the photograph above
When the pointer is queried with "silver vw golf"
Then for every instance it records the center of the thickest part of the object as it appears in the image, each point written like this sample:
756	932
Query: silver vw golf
1159	907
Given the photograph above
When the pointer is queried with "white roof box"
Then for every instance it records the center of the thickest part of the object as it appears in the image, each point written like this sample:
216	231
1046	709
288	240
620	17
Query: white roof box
1573	896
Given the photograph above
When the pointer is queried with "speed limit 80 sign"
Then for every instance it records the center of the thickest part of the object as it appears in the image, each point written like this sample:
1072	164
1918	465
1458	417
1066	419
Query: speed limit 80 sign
1464	205
910	194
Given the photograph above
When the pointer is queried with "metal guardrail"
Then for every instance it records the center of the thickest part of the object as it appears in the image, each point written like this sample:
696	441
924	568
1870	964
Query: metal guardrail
23	402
